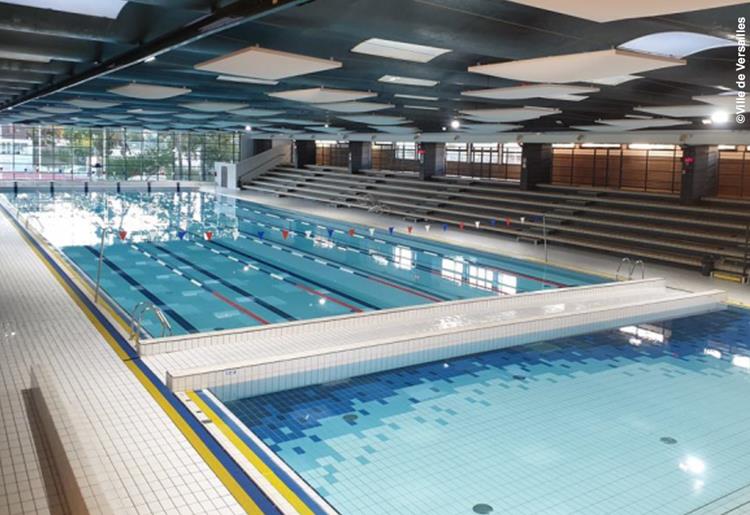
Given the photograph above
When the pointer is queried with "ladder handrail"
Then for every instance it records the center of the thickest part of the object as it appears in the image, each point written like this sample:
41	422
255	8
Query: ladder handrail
105	230
38	221
619	267
635	266
140	311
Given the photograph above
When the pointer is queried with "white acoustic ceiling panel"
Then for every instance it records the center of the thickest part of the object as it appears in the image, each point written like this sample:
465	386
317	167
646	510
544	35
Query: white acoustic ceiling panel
614	80
322	95
214	107
680	111
597	128
60	110
611	10
416	97
290	121
149	91
509	114
635	123
115	117
247	80
262	63
195	116
489	127
101	8
675	43
35	114
376	119
423	108
552	91
394	129
150	119
252	112
329	129
408	81
399	50
148	111
726	101
92	104
580	67
355	107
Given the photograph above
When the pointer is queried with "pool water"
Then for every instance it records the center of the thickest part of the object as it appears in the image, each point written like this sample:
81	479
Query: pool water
214	262
650	419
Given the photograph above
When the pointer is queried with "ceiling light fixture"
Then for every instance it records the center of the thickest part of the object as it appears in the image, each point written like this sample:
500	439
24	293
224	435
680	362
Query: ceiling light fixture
720	117
248	128
455	124
150	59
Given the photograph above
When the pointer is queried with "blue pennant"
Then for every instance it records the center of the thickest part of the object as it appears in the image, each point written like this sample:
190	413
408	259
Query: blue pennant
261	234
330	233
390	231
181	234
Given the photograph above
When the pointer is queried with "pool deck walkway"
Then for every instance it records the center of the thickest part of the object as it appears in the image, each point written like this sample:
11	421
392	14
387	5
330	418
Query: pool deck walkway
158	469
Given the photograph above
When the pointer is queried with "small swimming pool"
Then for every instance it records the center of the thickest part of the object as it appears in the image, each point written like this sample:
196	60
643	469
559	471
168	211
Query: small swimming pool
649	419
214	262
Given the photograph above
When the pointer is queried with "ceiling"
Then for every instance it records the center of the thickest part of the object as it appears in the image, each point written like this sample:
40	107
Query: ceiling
41	49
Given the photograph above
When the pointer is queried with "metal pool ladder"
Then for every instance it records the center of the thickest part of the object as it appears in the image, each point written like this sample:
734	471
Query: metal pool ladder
631	267
139	312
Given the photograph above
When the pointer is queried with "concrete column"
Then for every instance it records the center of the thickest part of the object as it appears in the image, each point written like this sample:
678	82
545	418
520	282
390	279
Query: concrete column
304	153
360	156
250	146
432	160
700	172
536	165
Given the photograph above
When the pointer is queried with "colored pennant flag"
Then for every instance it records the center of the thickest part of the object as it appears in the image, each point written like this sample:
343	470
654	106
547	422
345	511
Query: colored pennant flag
410	229
445	227
507	221
209	235
461	226
123	234
476	224
308	234
181	234
261	234
285	233
493	222
372	231
523	219
330	233
427	227
390	231
351	232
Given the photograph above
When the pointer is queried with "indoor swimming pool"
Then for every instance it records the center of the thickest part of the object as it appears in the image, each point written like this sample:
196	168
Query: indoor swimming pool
648	419
214	262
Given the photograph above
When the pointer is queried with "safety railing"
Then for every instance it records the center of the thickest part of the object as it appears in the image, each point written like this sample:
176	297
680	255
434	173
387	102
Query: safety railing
623	262
97	287
630	266
636	265
139	312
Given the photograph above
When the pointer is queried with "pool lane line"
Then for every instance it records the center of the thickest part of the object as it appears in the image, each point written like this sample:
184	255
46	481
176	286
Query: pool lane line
370	252
378	278
283	314
202	286
247	494
280	480
302	278
187	326
411	246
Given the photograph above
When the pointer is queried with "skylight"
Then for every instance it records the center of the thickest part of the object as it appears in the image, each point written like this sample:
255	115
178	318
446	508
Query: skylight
408	81
399	50
263	63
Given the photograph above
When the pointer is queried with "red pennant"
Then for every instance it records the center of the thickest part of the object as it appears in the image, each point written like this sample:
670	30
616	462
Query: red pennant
507	221
209	235
351	232
284	233
461	226
410	229
123	234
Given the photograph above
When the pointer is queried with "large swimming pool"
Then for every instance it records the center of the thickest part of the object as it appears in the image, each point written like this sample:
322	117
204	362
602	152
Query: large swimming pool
650	419
213	262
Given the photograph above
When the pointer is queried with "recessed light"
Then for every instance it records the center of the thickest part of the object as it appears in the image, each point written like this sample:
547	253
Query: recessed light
408	81
248	128
150	59
399	50
247	80
720	117
455	124
707	121
416	97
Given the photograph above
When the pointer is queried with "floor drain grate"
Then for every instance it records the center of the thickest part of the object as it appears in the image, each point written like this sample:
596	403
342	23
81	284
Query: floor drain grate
482	508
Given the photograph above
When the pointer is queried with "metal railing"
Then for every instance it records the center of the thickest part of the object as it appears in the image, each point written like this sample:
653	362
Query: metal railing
139	312
105	230
38	221
631	267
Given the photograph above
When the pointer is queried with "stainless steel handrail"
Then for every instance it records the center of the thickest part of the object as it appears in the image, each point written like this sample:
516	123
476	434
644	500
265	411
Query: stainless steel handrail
619	267
38	221
105	230
638	262
139	312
